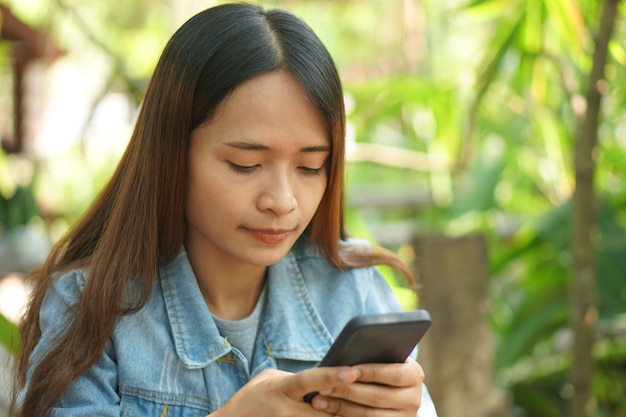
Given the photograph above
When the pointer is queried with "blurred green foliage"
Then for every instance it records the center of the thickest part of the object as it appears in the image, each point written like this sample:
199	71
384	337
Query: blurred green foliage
9	335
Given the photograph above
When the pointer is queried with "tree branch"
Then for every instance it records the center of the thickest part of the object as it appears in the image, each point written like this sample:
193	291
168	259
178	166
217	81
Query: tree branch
584	309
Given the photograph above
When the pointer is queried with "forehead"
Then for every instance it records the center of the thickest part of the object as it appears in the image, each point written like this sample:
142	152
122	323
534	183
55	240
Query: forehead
269	108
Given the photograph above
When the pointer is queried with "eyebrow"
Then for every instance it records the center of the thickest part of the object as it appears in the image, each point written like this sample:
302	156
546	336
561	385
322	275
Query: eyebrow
252	146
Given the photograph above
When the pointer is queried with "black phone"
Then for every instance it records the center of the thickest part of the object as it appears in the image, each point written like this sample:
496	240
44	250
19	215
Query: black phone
377	338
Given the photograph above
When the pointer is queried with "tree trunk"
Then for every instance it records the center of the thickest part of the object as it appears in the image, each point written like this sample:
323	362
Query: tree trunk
457	352
584	309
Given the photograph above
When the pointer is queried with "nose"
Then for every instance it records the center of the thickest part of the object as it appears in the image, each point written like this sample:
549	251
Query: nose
277	195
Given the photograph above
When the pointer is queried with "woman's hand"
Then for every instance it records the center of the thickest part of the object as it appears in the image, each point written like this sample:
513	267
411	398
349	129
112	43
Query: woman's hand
389	390
275	393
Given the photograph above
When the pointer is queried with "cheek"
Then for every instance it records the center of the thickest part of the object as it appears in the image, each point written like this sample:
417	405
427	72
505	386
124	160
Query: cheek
313	198
212	192
203	191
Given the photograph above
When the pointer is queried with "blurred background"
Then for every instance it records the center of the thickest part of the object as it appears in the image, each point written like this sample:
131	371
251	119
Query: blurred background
464	117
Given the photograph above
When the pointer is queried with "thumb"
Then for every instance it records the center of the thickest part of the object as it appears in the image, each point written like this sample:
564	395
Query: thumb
312	380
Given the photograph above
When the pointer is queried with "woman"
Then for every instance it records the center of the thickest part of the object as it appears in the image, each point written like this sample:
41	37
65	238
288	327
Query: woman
212	273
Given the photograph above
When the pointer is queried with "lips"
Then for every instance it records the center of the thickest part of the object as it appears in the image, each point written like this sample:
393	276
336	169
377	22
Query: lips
270	236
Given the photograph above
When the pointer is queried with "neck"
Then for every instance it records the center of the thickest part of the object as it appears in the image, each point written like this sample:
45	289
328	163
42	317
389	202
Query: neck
230	290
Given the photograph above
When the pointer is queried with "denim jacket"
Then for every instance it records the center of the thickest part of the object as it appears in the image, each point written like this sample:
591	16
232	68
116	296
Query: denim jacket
168	359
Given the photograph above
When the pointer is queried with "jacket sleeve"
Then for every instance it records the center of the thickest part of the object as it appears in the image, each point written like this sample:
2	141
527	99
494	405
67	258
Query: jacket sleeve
95	392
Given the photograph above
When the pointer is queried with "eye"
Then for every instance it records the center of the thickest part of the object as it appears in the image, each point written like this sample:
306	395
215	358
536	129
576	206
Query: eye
312	171
242	169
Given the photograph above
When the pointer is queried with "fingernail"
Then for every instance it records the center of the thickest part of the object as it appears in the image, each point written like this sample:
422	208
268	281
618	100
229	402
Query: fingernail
326	391
347	375
321	403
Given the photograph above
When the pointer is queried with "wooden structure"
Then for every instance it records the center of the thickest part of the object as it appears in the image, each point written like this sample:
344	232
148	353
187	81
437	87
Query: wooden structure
27	45
457	352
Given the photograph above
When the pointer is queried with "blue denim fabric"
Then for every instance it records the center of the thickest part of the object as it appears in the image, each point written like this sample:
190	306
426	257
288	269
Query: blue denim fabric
168	359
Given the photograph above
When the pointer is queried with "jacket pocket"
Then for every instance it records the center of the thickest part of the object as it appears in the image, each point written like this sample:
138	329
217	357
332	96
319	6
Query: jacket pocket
158	405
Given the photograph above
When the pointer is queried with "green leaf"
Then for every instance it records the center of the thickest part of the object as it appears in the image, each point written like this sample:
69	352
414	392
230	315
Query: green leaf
9	335
526	333
477	193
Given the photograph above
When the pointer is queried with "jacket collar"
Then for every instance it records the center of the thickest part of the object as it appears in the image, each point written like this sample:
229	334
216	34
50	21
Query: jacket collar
293	329
291	326
196	337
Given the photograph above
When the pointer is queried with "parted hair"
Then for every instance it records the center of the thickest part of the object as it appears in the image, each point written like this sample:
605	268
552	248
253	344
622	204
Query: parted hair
137	222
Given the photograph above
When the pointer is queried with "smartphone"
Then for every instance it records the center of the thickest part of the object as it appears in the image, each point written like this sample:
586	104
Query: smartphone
377	338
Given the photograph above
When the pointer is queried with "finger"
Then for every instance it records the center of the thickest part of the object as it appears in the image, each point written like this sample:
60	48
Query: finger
338	407
396	374
296	386
375	396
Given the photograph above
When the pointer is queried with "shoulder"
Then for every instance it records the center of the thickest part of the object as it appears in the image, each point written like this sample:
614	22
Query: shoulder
66	288
303	248
356	290
315	266
57	306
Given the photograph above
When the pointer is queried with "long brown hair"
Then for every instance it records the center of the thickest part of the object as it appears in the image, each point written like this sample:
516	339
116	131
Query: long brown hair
137	223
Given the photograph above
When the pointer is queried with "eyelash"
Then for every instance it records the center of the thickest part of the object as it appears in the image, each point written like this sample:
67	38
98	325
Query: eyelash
245	169
311	171
242	169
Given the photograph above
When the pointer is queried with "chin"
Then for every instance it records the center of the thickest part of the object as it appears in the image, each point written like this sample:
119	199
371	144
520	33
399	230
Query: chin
270	258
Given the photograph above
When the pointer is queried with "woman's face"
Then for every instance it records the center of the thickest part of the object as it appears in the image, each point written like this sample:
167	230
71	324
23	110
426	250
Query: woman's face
257	172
